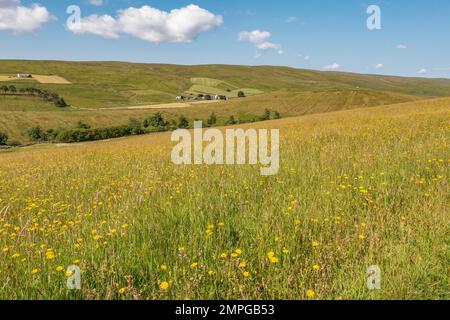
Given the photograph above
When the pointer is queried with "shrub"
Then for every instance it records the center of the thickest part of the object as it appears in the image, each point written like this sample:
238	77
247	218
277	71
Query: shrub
36	134
82	135
59	102
43	94
155	121
3	138
83	125
241	94
231	121
183	123
135	126
51	134
173	125
212	120
276	115
265	116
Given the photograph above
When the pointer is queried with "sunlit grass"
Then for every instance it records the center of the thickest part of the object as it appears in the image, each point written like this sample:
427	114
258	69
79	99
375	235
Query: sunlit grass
355	189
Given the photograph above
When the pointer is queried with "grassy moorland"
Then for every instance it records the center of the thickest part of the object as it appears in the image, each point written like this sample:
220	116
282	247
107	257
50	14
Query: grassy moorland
111	84
97	90
15	121
356	188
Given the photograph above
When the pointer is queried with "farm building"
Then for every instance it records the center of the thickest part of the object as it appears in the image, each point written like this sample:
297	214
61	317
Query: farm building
24	75
220	97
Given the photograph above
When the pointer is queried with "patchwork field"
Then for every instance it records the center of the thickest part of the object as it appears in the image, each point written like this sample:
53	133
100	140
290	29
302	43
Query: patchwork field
218	87
46	79
110	93
356	188
16	122
118	84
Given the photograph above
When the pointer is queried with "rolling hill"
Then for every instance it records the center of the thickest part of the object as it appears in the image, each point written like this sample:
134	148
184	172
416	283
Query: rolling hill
111	84
355	188
93	87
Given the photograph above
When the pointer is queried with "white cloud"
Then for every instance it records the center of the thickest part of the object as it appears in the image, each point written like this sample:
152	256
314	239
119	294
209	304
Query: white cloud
255	37
96	2
333	66
18	18
260	40
379	66
150	24
307	58
104	26
422	71
401	46
291	19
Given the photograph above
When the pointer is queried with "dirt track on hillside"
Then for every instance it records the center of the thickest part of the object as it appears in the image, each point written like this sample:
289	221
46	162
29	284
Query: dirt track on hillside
175	105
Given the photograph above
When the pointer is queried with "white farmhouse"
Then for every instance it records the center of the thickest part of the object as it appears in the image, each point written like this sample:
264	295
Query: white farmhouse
24	75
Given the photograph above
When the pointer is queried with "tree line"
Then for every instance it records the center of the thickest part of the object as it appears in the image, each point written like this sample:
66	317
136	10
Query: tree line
43	94
83	131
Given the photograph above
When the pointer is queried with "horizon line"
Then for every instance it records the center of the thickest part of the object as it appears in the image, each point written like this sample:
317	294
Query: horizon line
226	64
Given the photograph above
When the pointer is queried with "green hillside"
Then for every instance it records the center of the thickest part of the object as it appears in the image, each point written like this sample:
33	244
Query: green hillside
111	84
16	121
93	87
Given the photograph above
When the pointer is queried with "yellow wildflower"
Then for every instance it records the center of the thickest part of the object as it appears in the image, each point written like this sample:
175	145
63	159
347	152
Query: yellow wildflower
164	285
273	260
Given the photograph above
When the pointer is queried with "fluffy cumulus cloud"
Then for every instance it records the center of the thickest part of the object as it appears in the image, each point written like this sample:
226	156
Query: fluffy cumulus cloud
260	39
379	66
104	26
150	24
401	46
333	66
18	18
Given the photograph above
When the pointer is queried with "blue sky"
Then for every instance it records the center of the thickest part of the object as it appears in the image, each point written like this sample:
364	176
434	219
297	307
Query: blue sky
317	34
